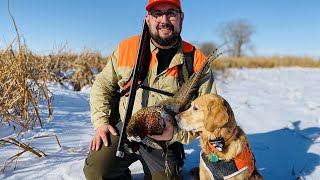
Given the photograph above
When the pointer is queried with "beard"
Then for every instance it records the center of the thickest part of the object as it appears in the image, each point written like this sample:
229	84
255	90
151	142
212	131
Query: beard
167	41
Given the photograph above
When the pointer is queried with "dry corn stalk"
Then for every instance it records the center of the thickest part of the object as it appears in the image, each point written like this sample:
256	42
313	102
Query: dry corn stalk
24	148
23	87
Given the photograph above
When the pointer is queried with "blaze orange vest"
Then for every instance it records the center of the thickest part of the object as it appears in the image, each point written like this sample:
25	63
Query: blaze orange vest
223	169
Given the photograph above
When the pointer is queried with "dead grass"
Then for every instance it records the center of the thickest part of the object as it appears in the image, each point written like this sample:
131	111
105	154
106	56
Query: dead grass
23	86
23	148
81	64
266	62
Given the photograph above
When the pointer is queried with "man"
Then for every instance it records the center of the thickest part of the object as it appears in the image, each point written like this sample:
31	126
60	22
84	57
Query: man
168	51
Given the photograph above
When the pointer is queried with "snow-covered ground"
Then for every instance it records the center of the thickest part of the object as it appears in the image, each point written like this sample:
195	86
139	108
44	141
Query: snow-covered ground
279	109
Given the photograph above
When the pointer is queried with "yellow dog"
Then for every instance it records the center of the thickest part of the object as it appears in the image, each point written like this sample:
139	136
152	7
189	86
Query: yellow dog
225	149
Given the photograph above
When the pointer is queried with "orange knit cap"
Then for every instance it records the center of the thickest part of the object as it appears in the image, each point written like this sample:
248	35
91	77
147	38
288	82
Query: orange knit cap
154	2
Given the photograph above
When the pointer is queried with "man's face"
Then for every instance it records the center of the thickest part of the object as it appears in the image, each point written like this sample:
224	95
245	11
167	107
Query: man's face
165	24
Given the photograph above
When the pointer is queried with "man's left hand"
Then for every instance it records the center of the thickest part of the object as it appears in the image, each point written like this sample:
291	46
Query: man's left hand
167	134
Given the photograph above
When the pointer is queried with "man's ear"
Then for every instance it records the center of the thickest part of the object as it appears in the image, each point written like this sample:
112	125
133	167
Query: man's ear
217	116
147	18
182	16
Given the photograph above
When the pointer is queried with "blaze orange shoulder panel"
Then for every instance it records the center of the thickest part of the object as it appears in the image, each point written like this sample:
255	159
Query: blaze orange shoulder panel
187	47
199	59
245	158
174	71
128	50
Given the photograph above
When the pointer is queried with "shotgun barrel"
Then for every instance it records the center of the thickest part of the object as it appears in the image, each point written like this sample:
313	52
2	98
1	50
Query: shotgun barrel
142	57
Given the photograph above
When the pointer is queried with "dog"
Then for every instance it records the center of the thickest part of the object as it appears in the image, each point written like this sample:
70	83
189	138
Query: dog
225	150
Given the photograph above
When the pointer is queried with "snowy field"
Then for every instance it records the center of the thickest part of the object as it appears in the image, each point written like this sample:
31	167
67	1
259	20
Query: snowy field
279	109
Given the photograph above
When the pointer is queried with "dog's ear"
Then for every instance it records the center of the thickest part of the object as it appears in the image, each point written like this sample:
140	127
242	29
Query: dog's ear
217	115
229	110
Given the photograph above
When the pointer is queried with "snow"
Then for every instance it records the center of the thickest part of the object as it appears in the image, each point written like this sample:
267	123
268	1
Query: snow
279	109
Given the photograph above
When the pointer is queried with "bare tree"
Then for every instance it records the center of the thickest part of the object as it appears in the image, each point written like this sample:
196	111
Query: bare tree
237	35
207	47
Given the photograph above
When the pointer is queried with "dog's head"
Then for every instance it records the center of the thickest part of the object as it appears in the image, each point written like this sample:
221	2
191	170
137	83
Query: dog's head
209	111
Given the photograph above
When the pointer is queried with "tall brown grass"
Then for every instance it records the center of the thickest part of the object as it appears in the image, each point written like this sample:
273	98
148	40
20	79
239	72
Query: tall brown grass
265	62
23	86
82	65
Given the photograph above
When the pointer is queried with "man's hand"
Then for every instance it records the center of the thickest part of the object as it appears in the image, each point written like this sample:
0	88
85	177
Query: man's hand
167	134
100	136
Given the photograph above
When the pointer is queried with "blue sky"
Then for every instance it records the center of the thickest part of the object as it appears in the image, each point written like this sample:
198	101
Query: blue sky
283	27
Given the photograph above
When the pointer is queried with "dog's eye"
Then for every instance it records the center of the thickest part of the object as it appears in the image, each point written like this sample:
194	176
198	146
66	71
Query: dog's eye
195	108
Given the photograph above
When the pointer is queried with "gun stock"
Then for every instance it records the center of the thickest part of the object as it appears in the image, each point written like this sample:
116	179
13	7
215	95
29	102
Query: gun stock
142	56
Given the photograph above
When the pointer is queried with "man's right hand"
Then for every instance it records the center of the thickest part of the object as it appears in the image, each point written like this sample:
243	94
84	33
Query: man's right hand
100	136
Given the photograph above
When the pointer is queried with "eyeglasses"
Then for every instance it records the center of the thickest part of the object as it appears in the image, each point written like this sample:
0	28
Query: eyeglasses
170	14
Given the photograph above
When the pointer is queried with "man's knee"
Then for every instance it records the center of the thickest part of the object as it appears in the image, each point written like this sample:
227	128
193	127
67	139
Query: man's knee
96	173
96	165
104	164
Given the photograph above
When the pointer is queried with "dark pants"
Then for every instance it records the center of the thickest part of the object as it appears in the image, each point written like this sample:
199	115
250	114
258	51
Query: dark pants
104	164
